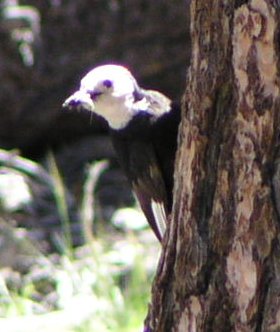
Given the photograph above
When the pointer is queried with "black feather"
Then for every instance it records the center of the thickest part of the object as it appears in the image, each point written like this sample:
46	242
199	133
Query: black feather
146	150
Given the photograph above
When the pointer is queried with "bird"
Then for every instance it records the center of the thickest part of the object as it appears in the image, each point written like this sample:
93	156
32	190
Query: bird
143	125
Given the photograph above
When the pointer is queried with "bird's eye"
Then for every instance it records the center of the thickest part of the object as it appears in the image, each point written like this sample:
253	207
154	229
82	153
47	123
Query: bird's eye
108	84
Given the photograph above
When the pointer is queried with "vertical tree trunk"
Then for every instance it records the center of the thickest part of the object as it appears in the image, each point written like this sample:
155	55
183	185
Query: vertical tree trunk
220	264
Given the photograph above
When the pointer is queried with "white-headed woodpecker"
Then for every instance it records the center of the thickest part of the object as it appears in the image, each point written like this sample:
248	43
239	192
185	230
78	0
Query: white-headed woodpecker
143	126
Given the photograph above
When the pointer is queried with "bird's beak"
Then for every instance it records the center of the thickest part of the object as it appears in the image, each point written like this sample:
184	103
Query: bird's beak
79	100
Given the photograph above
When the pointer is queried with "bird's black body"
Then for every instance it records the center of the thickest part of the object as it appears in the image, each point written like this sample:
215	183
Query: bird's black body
146	150
143	126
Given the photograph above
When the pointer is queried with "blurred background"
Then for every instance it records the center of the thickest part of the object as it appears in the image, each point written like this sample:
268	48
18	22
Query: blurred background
75	251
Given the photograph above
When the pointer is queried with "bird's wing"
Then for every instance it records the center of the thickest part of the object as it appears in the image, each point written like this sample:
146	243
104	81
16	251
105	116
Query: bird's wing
158	103
139	162
152	102
156	219
151	193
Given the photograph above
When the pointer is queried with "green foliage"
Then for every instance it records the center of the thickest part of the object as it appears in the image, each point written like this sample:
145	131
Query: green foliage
61	203
94	293
103	286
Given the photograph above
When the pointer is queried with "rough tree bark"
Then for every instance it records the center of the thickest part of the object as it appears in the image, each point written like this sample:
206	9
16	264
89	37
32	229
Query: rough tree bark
220	265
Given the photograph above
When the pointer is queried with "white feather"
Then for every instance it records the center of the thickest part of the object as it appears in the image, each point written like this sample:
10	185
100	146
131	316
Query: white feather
115	104
160	216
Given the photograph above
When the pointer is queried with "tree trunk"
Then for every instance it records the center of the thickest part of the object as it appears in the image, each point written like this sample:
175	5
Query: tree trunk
220	264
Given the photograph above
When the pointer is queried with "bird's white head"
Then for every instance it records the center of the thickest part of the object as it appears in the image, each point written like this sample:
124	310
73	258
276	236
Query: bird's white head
108	91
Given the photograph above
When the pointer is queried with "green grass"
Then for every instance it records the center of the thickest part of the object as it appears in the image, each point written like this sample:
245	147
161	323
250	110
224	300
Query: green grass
101	287
102	295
